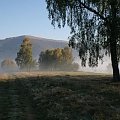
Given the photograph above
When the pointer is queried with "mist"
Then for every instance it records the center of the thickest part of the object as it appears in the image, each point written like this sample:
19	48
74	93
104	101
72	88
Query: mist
103	66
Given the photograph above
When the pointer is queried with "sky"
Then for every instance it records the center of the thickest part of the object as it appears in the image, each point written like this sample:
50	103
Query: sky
28	17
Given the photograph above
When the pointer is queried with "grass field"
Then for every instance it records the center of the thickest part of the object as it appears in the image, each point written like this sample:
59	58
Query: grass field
59	96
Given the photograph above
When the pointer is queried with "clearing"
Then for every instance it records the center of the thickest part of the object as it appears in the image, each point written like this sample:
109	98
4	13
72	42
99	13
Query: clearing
59	96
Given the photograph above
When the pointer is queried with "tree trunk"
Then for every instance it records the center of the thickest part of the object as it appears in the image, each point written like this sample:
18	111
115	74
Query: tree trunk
114	60
113	41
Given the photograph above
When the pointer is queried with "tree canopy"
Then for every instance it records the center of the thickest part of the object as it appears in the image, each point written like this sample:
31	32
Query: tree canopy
8	65
57	59
95	28
24	57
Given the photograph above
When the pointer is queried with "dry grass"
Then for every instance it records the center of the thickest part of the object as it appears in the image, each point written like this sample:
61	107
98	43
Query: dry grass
60	96
14	75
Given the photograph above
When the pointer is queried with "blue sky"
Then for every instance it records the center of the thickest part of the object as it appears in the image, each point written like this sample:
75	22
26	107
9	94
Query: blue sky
28	17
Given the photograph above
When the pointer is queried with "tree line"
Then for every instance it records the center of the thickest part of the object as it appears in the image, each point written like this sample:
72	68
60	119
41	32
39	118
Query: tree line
57	59
60	59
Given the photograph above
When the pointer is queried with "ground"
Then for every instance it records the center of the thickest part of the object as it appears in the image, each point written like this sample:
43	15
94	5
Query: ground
59	96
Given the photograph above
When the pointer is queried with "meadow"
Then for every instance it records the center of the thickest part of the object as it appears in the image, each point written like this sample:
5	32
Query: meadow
59	96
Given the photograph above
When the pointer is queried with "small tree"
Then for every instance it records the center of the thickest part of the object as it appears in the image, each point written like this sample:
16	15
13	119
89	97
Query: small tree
24	58
8	65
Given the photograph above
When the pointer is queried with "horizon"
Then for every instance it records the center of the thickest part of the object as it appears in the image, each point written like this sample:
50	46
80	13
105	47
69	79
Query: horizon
34	37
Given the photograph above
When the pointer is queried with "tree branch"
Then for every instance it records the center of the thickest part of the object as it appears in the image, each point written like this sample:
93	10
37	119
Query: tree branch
92	10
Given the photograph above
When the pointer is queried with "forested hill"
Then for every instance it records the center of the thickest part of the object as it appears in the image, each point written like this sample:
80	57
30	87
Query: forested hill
10	46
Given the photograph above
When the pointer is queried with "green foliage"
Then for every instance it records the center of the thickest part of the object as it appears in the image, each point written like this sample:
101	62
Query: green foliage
24	57
91	24
57	59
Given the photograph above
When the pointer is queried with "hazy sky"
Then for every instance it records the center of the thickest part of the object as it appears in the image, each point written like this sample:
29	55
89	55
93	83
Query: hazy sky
27	17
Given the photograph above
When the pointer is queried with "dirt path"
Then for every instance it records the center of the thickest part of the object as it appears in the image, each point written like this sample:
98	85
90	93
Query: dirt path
14	102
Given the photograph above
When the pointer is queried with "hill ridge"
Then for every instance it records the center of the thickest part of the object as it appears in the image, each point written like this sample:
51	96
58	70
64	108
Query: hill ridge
10	46
33	37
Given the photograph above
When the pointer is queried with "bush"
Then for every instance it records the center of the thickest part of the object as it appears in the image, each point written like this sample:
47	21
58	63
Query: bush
8	65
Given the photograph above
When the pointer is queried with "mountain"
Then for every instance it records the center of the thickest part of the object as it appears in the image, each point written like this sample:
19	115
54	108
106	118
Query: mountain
10	46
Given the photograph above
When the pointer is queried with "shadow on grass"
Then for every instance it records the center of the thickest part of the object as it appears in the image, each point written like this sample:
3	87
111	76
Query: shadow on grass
60	98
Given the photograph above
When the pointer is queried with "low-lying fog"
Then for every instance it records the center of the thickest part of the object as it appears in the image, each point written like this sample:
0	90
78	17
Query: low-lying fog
104	67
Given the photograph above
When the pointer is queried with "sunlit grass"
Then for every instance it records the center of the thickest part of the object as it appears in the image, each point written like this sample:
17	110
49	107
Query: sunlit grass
14	75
